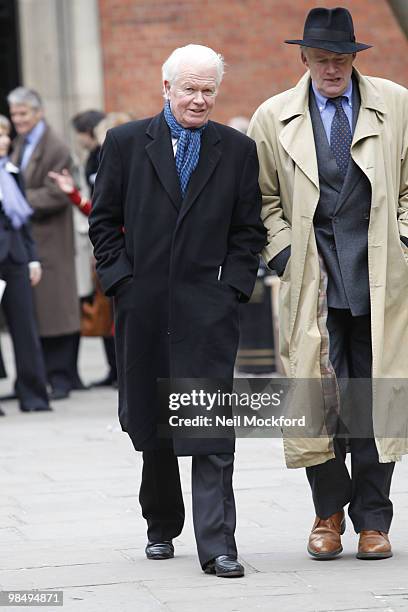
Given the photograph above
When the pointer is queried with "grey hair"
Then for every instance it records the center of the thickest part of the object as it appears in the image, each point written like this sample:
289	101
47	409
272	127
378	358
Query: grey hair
23	95
192	54
5	124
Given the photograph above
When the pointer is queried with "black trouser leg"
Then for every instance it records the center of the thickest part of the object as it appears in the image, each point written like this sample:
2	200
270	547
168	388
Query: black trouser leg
370	506
369	486
59	354
330	482
19	311
213	506
160	495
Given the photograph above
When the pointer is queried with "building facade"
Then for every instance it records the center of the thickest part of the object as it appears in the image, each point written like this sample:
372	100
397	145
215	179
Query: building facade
108	53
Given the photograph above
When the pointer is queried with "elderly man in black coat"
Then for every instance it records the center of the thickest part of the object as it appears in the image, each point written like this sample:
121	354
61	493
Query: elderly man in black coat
176	229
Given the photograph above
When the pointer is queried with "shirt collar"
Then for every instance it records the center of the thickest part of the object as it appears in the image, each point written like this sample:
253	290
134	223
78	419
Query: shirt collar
322	100
38	130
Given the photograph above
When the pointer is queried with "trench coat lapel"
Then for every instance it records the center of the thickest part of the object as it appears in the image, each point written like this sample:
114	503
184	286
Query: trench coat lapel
297	136
210	153
160	151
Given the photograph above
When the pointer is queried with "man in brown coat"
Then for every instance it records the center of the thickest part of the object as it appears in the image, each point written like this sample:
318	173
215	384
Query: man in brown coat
38	150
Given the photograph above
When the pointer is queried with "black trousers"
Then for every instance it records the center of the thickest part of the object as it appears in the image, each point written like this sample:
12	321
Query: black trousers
367	489
109	346
59	355
214	515
18	309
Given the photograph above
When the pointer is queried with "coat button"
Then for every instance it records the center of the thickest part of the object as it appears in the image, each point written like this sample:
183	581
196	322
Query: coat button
335	220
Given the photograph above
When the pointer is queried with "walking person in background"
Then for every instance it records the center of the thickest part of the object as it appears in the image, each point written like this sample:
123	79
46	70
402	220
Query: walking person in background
21	270
37	150
334	179
84	124
90	131
176	233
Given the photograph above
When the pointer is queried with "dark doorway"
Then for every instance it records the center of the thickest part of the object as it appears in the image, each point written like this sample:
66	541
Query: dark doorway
9	51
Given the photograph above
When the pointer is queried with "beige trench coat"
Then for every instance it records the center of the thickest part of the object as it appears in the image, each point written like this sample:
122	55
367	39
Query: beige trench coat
289	181
56	296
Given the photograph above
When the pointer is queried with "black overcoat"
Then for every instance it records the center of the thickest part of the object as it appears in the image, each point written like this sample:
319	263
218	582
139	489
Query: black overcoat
189	261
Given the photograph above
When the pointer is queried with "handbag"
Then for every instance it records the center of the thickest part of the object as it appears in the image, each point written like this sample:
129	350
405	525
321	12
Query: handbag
97	316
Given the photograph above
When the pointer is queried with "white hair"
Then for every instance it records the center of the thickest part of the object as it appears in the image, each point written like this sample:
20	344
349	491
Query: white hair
192	54
23	95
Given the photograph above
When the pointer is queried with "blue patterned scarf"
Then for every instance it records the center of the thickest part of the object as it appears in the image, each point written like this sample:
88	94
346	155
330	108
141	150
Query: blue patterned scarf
14	203
188	147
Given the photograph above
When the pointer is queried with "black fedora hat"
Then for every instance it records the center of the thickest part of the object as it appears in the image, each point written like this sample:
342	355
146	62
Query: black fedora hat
330	29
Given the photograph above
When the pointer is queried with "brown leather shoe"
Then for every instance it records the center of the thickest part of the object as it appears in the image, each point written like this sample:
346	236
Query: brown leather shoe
324	540
374	545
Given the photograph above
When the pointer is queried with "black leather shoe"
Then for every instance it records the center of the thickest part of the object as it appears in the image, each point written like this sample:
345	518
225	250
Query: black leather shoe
225	566
159	550
2	413
36	409
58	394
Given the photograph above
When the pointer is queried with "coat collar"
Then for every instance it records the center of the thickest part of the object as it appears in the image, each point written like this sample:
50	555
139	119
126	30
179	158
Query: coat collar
298	102
298	130
160	151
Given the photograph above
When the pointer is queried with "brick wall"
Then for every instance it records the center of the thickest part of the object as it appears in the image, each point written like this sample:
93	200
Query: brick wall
138	35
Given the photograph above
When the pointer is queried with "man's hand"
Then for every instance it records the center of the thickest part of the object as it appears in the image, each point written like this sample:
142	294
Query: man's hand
35	272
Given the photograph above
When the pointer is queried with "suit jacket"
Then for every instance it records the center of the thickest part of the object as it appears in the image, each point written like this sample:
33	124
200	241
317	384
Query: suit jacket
341	221
187	261
56	297
16	244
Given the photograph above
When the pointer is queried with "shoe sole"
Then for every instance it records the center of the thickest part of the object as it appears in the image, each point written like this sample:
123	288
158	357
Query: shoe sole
159	557
231	574
325	556
373	556
331	555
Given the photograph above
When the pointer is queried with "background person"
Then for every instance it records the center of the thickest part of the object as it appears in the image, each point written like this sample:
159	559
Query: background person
20	268
37	150
66	183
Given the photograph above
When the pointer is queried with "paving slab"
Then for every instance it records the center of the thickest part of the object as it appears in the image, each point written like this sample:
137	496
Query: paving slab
70	519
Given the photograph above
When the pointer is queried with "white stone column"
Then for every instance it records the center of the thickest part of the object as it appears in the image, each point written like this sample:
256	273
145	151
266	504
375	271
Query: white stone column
61	57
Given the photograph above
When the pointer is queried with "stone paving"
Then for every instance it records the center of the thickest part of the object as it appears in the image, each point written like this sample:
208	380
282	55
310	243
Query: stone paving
70	520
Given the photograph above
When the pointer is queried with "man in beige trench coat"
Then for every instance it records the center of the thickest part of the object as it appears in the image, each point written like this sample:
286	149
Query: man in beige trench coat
334	178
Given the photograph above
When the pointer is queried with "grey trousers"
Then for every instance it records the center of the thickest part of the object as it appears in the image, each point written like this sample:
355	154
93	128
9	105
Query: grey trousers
214	514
